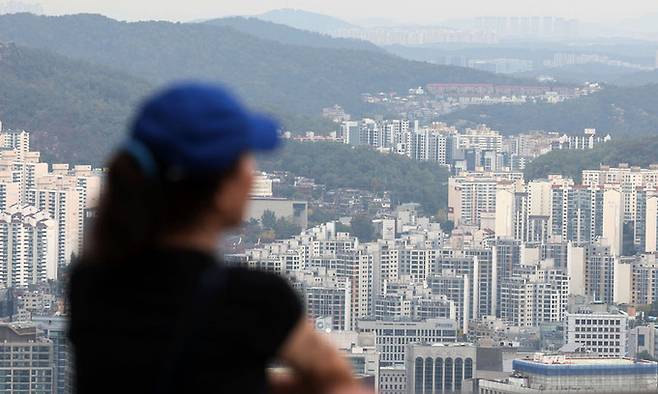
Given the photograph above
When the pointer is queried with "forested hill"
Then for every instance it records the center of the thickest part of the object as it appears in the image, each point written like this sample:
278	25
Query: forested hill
338	165
288	35
76	111
278	77
637	151
615	110
305	20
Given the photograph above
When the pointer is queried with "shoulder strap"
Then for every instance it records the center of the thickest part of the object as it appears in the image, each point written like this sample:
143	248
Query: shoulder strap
193	319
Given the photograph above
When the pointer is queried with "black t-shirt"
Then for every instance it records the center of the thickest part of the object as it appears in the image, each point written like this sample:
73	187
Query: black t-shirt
141	326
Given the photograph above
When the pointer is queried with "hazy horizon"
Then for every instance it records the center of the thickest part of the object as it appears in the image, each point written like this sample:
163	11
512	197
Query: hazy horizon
412	11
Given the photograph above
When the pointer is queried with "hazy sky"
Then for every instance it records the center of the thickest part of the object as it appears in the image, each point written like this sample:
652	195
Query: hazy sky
424	11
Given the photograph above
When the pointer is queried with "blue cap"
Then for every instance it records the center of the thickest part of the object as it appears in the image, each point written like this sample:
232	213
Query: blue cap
197	128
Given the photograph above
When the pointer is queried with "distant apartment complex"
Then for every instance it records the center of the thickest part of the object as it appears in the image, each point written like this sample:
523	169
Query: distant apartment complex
42	211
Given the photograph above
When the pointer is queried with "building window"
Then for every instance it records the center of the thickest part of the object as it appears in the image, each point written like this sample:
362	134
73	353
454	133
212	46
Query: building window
418	376
468	368
459	368
438	374
429	375
447	381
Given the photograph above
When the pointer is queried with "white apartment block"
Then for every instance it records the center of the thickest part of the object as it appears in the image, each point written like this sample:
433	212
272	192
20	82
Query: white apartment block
393	336
629	180
61	198
9	194
530	299
262	186
15	140
416	263
469	198
643	284
23	170
325	295
481	138
413	301
457	288
597	332
28	246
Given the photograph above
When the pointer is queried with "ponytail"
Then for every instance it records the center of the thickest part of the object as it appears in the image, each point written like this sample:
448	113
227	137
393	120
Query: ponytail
137	210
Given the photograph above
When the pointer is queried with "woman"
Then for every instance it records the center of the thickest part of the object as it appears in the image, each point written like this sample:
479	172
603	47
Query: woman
152	309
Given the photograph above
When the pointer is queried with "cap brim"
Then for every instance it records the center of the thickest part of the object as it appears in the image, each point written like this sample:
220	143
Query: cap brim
263	133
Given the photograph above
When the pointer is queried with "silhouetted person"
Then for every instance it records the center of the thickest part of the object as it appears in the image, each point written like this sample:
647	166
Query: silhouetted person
152	309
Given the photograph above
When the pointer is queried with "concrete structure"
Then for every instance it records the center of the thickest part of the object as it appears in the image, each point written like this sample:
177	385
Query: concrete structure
629	180
469	198
262	186
359	349
644	279
55	329
413	302
296	211
436	368
9	192
534	296
559	374
325	295
642	339
64	200
393	379
28	246
613	220
597	330
456	288
26	361
393	336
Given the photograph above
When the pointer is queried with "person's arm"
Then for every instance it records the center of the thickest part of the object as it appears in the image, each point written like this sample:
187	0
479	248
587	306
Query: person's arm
317	363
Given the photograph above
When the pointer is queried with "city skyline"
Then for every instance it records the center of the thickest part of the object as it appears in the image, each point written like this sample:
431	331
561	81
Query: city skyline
471	208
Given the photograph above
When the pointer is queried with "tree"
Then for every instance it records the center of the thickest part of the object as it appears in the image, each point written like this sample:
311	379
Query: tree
342	228
342	166
268	219
362	228
284	228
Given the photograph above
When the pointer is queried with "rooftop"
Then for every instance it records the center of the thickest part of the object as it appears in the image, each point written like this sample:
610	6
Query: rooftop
565	366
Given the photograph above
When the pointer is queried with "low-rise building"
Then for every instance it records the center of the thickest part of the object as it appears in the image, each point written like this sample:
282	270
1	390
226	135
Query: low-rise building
440	367
560	374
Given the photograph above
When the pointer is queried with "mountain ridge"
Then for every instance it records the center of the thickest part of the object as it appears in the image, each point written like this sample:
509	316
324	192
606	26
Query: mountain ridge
75	111
284	79
305	20
289	35
614	110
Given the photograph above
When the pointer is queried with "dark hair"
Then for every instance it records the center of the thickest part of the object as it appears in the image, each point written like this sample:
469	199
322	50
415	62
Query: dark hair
136	211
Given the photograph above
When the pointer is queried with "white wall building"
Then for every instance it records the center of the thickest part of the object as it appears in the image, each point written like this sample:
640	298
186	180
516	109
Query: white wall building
28	246
597	331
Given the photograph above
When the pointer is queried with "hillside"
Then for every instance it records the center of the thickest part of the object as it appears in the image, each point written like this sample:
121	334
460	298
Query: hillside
618	111
338	165
285	79
637	78
76	111
305	20
287	35
637	151
581	73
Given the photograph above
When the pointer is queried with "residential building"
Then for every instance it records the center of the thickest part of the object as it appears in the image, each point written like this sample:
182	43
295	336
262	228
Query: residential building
26	361
597	330
28	246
